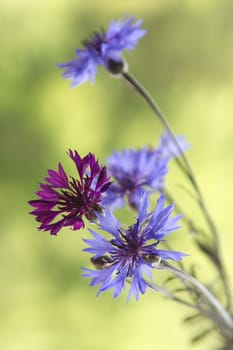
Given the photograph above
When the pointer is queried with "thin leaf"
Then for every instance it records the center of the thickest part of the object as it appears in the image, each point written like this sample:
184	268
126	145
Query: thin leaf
191	318
201	335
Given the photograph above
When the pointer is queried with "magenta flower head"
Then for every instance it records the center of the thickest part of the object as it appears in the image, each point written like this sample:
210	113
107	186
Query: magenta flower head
66	201
130	254
103	49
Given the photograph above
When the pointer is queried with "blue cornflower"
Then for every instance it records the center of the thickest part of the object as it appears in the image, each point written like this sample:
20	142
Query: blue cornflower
133	170
103	49
142	169
130	254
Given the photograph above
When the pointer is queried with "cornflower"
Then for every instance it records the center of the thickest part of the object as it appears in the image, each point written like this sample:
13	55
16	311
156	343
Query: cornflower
66	201
144	169
134	170
103	49
131	254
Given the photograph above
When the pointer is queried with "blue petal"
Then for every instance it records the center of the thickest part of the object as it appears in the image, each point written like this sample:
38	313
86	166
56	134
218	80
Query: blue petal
108	222
124	34
118	283
113	197
168	148
138	284
99	276
160	223
143	216
81	69
170	254
98	246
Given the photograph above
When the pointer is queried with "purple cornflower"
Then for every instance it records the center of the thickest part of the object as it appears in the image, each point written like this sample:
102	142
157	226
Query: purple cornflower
132	171
64	202
130	254
103	49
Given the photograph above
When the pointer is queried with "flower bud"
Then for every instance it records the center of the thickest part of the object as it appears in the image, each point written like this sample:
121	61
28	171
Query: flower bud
117	67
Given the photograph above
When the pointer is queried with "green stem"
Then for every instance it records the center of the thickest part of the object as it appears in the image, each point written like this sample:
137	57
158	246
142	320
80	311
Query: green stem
186	168
222	318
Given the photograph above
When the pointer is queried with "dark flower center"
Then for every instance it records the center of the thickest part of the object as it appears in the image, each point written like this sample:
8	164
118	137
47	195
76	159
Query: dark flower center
127	184
95	42
80	200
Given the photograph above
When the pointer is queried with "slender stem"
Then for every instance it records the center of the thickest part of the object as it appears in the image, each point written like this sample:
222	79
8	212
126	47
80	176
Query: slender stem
170	295
185	166
194	229
226	319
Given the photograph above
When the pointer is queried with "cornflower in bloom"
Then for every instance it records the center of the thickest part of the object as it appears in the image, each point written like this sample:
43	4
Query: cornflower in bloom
130	254
142	169
134	170
64	202
103	49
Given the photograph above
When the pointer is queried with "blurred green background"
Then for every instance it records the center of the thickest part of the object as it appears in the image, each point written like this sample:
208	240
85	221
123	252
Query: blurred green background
186	62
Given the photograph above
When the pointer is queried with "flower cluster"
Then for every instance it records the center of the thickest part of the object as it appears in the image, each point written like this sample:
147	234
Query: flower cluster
130	254
127	254
69	200
103	49
121	254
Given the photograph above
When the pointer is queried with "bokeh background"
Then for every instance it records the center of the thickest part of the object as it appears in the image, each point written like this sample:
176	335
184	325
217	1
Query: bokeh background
186	62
